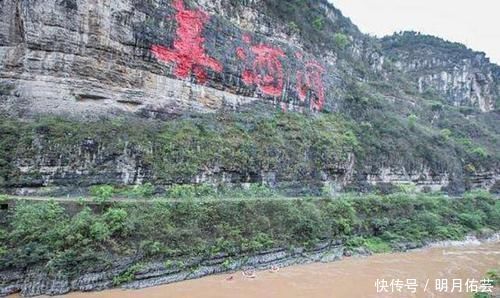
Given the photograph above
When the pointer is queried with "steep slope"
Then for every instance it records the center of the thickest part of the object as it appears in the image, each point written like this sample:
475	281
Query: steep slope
127	92
225	98
462	76
155	59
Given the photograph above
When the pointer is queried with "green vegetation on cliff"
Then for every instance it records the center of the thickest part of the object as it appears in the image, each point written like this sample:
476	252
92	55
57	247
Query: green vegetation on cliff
415	41
308	18
298	149
44	233
295	146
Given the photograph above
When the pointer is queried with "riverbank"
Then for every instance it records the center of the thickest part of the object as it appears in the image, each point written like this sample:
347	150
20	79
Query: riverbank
152	278
143	245
349	277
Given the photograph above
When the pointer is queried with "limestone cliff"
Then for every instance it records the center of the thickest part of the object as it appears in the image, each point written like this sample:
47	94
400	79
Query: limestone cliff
153	59
464	77
86	60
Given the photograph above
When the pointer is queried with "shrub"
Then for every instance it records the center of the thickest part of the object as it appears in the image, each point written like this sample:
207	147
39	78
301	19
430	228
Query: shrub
205	190
141	191
102	193
341	40
470	220
128	275
294	28
407	188
341	216
446	133
3	198
100	231
43	234
412	120
185	191
36	229
354	242
479	152
115	219
152	248
376	245
318	23
259	191
451	232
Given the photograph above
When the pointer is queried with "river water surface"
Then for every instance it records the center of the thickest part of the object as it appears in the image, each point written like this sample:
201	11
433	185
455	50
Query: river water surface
351	277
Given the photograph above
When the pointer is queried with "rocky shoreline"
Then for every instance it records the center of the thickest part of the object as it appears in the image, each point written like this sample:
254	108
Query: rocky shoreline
36	281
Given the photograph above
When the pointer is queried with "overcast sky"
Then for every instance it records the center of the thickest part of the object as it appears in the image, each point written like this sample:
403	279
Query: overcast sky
476	23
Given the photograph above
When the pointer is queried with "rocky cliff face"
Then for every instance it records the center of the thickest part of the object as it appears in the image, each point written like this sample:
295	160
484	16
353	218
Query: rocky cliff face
153	59
462	76
165	59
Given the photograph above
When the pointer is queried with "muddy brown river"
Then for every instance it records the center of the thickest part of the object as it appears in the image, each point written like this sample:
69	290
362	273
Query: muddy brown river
431	272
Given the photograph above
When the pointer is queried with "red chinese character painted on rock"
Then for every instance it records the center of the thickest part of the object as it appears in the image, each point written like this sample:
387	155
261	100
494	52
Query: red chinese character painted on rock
311	80
188	51
266	71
